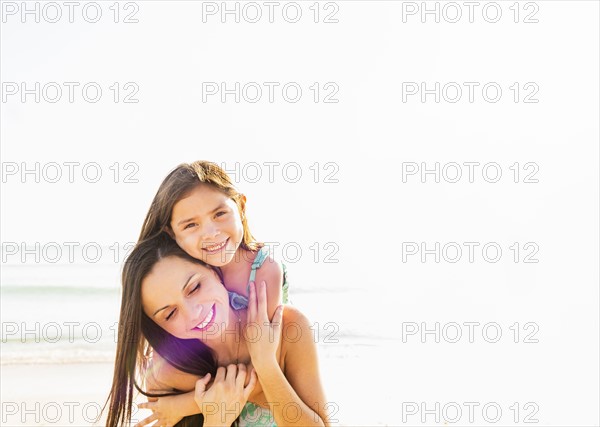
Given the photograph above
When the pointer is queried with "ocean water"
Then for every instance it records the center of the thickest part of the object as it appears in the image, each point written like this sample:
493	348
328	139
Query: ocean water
48	322
69	314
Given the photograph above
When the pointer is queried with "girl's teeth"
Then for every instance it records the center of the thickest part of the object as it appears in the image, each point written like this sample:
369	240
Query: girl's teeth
215	247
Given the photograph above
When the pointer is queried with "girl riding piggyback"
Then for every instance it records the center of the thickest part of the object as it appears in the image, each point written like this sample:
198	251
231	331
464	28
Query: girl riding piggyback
198	206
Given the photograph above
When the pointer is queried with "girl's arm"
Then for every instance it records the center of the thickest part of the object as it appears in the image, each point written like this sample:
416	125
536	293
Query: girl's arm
300	387
271	273
161	377
226	396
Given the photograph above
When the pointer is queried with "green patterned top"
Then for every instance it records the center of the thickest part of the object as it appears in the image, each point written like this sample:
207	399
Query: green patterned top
256	416
253	415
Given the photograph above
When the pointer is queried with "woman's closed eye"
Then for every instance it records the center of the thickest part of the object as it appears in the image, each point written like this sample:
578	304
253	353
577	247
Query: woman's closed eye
221	213
194	289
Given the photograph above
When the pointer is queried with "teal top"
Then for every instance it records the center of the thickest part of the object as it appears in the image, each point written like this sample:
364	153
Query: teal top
238	301
253	415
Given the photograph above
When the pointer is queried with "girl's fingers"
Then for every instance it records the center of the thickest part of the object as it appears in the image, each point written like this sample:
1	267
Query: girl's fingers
248	389
251	302
147	420
231	371
202	382
277	318
147	405
262	298
220	374
240	379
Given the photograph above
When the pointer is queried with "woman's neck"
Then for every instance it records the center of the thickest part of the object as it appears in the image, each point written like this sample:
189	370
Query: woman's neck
231	347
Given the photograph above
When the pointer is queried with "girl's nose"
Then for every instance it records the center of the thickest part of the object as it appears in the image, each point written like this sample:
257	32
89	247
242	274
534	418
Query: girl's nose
210	231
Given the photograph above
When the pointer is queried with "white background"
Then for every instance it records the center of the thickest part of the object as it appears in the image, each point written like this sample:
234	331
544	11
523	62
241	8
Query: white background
369	134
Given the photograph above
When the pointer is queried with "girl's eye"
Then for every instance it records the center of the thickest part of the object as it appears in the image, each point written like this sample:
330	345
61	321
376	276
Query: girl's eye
220	213
191	224
170	314
195	288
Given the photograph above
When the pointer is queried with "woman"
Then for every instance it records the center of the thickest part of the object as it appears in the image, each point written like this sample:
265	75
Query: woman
178	306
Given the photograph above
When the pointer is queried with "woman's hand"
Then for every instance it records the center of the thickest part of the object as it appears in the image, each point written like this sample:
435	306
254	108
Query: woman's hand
164	410
262	336
223	402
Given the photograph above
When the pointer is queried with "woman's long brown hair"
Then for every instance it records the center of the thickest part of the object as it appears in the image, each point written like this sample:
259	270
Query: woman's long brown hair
137	333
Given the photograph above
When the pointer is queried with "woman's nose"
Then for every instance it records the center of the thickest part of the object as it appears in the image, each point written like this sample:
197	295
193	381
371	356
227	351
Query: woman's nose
192	312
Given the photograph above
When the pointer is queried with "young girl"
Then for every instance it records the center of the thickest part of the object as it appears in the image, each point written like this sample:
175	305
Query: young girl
290	384
198	206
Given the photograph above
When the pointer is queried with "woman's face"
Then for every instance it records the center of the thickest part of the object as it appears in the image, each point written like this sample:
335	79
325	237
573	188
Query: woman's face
186	299
207	225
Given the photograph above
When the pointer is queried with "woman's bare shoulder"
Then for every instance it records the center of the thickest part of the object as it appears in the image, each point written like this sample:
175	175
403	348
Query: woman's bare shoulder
296	328
292	313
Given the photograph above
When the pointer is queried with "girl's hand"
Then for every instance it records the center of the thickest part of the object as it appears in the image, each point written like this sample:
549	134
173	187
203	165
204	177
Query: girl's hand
223	402
263	337
164	411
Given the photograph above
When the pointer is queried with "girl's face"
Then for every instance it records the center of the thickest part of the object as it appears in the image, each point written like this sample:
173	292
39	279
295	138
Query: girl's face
185	299
207	225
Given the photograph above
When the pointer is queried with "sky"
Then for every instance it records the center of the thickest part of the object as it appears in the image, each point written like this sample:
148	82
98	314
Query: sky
392	146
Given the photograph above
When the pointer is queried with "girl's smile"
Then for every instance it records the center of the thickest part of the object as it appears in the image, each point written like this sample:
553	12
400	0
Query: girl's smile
213	249
207	225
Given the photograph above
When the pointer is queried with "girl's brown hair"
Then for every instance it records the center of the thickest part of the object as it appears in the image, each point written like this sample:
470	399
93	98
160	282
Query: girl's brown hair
178	185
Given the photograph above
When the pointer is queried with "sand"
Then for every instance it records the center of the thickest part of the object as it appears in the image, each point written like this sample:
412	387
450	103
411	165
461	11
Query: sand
72	394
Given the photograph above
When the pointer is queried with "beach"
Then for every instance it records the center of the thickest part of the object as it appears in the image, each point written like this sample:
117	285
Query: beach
383	361
54	394
59	344
73	394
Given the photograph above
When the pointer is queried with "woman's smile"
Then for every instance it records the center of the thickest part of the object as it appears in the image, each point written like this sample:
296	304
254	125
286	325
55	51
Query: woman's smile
210	317
182	297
